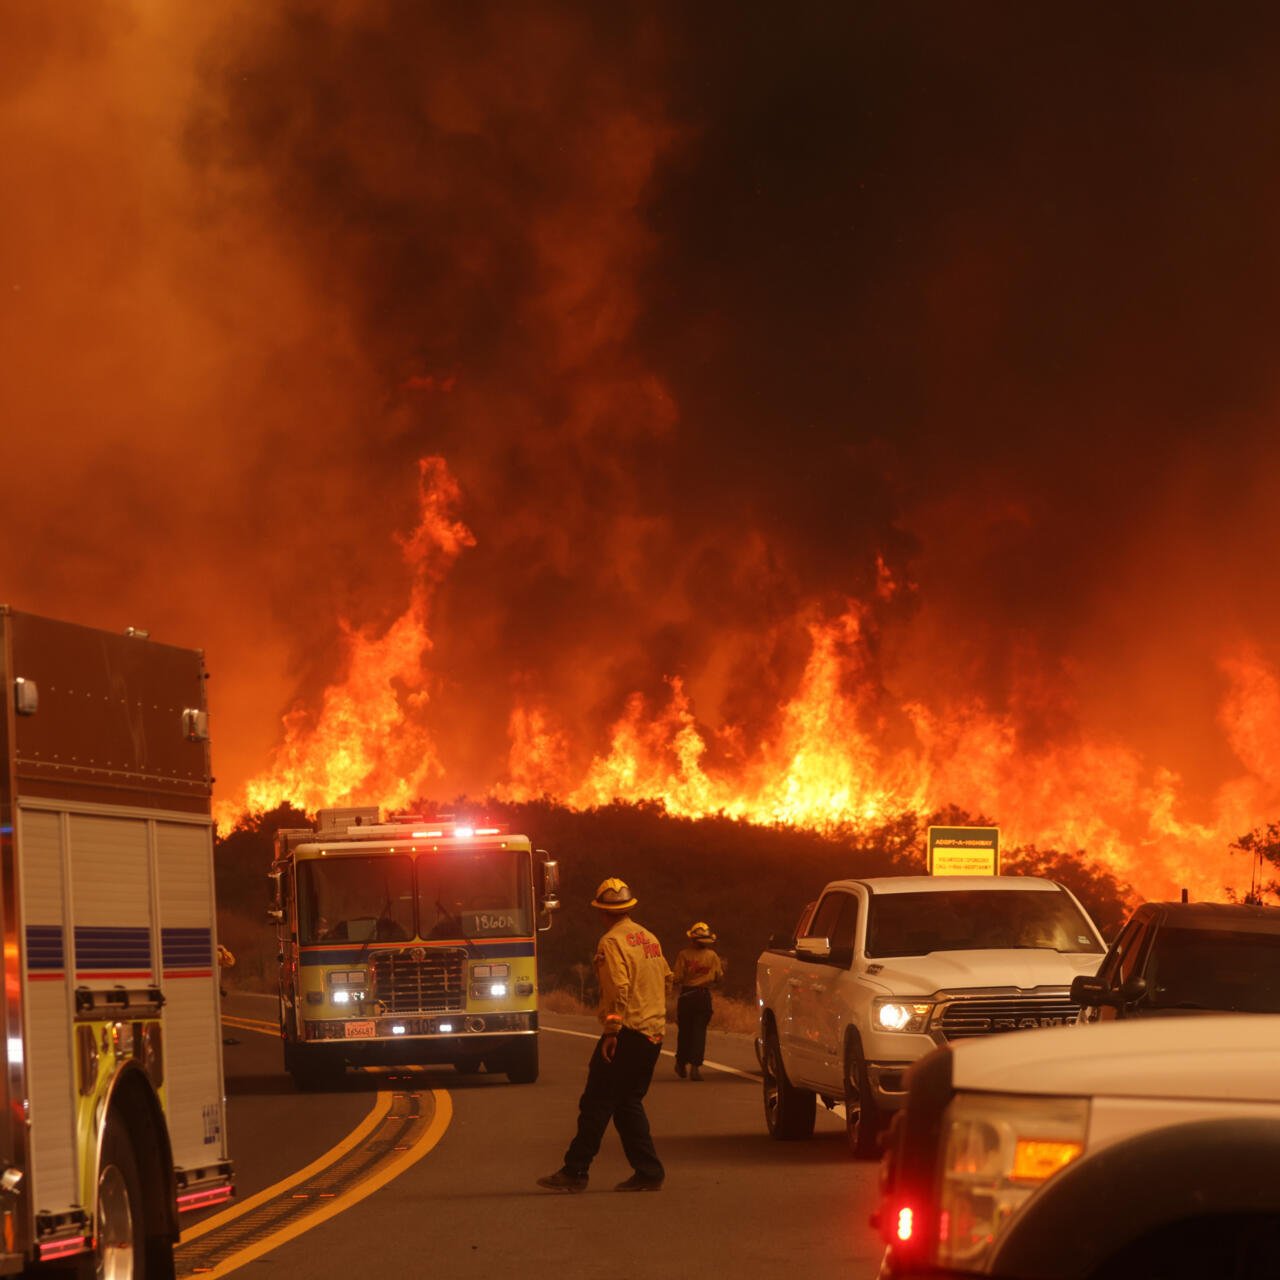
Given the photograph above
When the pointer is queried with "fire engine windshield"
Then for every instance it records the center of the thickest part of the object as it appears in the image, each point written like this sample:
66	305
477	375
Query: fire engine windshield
474	893
355	899
913	924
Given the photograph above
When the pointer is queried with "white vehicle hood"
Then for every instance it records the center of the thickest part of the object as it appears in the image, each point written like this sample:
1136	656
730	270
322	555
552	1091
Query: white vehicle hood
964	970
1223	1056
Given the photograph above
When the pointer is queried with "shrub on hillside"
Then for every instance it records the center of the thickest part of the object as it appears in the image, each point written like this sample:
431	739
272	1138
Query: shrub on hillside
747	881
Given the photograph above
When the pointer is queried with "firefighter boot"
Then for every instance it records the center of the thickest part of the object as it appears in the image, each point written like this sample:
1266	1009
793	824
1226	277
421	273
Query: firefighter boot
637	1183
695	1073
562	1180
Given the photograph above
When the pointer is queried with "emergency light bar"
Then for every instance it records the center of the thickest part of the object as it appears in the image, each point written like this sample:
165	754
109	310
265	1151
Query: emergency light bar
457	831
417	826
444	831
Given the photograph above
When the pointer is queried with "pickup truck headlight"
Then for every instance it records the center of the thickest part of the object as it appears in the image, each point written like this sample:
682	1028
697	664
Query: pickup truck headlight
900	1015
998	1149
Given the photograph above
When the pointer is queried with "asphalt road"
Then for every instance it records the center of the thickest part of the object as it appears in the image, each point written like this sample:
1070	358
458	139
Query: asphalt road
735	1203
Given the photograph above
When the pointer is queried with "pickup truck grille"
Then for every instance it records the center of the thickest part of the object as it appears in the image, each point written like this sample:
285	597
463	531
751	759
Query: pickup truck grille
420	980
963	1018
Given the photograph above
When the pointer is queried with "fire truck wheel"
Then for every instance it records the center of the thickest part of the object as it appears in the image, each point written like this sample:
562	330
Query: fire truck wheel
522	1064
121	1224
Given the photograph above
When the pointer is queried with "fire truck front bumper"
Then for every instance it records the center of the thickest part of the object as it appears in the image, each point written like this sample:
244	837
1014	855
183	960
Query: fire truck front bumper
420	1038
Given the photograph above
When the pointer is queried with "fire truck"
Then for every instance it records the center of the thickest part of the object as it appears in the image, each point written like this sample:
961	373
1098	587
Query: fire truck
112	1121
411	941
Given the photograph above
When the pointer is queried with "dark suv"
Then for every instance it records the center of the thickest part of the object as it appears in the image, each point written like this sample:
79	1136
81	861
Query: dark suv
1179	957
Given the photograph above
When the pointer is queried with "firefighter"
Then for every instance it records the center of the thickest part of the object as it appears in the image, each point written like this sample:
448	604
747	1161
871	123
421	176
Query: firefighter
698	969
225	961
634	985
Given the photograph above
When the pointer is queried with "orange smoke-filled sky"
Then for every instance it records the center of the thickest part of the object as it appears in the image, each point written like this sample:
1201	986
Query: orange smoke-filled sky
718	316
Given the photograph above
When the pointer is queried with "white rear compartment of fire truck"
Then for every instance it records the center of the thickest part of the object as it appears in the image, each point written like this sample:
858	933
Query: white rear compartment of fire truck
110	885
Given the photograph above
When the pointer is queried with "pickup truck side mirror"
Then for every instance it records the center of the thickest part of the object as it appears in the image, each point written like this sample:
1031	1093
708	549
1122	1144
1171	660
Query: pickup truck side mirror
1132	991
813	948
1090	992
1093	993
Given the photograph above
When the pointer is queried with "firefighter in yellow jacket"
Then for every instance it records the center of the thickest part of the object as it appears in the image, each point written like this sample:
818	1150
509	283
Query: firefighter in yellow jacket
634	985
698	969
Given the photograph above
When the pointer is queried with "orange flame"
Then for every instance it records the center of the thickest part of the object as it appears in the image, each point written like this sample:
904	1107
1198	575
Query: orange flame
826	761
368	743
823	766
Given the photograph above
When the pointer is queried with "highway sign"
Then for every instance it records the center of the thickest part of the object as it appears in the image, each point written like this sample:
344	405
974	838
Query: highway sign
964	851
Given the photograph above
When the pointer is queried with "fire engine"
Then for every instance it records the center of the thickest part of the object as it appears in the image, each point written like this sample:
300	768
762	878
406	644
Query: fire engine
112	1120
409	941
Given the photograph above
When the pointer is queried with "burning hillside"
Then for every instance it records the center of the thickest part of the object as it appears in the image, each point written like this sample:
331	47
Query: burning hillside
842	752
828	416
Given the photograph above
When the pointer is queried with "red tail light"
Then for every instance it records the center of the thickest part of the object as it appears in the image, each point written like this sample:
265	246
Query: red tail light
904	1225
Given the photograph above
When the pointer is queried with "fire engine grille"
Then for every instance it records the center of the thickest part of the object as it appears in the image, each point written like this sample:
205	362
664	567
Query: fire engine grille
962	1019
419	980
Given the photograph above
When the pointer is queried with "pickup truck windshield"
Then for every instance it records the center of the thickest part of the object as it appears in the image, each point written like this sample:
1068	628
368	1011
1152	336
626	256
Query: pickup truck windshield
1214	969
913	924
474	893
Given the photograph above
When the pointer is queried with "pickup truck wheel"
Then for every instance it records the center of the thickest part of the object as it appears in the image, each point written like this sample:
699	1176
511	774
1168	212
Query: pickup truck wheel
789	1112
861	1117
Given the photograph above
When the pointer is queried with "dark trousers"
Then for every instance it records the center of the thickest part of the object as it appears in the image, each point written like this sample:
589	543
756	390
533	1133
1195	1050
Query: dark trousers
693	1012
615	1091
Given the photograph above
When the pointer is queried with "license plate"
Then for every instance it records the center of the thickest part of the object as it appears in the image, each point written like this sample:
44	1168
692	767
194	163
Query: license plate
361	1030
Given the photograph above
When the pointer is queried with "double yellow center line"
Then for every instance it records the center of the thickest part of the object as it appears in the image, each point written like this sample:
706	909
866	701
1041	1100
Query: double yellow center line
400	1128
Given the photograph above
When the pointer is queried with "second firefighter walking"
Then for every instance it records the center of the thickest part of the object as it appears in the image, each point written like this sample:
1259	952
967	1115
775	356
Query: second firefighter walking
697	970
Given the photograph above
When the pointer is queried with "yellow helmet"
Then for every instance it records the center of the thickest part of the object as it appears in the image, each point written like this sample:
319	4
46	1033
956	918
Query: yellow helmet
613	895
701	932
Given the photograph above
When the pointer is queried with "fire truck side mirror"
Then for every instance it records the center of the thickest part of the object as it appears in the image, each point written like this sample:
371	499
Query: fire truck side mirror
26	696
275	912
550	877
550	890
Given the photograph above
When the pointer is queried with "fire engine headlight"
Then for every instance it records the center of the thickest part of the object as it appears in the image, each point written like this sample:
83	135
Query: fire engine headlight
488	990
898	1015
347	986
998	1149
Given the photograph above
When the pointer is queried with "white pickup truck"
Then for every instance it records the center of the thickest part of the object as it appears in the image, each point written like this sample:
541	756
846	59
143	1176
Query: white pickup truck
887	969
1145	1148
